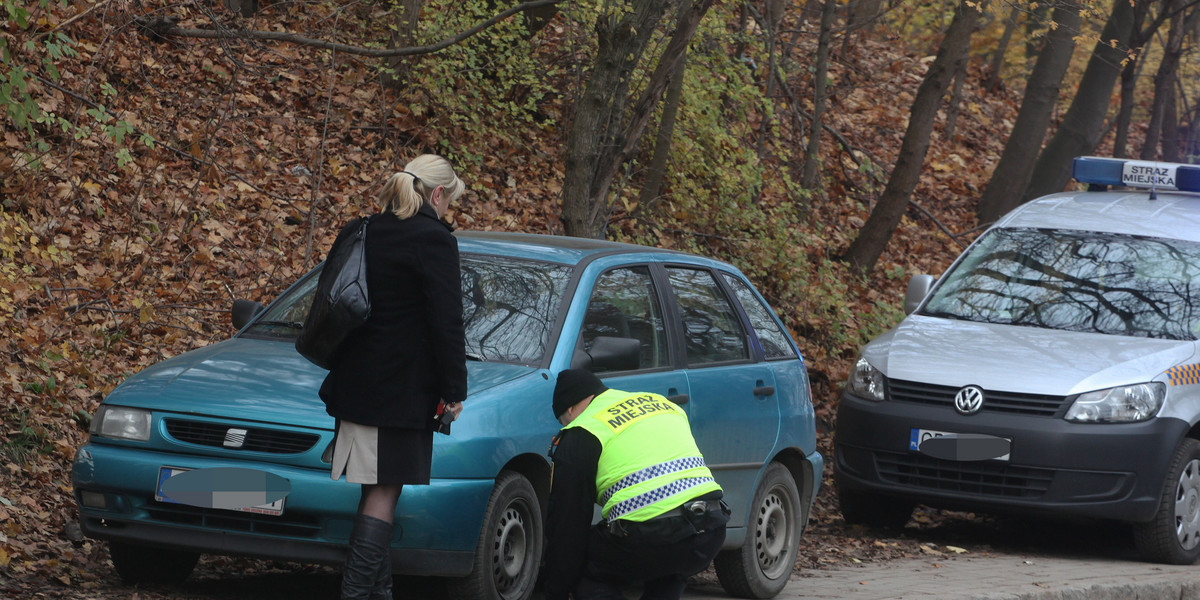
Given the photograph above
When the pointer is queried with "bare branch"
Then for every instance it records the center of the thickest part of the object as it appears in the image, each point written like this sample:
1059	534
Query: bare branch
163	28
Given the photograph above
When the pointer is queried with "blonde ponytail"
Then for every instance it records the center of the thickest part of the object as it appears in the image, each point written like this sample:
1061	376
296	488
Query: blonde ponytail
401	196
404	192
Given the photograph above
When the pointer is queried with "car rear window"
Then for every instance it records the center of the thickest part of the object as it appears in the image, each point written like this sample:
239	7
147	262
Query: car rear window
1077	281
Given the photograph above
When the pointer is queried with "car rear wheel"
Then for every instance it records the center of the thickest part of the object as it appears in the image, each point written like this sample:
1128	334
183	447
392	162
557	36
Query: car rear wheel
510	545
1173	536
873	510
145	564
761	567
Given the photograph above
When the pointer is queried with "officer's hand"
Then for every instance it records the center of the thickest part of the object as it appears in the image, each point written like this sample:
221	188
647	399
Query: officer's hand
455	409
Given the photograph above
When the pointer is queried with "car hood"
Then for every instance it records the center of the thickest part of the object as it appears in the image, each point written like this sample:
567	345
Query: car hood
256	380
1019	359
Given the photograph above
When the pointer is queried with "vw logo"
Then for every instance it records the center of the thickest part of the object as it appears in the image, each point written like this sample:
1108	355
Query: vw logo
968	400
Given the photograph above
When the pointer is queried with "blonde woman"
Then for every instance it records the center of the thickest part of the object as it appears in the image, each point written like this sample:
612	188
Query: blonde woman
389	376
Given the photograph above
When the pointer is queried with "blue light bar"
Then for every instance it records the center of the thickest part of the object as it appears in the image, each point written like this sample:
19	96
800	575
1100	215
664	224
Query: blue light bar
1136	173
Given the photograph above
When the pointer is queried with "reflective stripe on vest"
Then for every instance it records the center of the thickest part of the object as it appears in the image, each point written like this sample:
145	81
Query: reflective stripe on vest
671	466
649	463
621	509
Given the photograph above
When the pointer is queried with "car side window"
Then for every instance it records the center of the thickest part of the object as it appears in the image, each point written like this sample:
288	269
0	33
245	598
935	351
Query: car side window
712	331
624	305
774	341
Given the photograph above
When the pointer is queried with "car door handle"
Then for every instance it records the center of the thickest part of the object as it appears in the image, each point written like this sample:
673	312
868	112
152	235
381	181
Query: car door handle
679	399
766	390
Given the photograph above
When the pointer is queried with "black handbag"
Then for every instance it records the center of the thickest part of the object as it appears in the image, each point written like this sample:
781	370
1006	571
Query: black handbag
340	304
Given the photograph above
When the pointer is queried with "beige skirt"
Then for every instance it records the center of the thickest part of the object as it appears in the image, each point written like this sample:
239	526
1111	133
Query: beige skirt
381	455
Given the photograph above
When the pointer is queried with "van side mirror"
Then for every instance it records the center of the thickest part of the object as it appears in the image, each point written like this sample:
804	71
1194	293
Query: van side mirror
609	354
244	311
918	288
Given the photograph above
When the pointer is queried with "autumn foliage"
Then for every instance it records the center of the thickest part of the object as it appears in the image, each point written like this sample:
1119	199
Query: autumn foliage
237	162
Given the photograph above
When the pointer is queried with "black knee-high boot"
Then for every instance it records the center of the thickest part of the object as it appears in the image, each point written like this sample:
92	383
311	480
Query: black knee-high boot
367	573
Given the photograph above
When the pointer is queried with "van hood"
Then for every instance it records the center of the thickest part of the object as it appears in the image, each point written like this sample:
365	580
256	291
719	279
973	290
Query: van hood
257	380
1019	359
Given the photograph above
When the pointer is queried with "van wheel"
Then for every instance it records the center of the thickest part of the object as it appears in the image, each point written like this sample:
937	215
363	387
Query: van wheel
1173	536
763	564
873	510
510	545
144	564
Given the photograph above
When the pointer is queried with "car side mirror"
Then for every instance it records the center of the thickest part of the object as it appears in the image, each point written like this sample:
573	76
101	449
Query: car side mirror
918	288
244	311
609	354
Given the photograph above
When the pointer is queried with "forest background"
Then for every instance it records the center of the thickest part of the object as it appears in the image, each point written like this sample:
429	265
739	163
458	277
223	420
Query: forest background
164	158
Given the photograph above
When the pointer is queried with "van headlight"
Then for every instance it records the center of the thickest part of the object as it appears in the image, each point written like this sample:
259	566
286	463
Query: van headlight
866	381
1125	404
122	423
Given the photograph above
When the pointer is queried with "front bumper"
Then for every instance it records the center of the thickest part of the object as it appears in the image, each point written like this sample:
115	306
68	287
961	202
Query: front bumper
1112	471
437	526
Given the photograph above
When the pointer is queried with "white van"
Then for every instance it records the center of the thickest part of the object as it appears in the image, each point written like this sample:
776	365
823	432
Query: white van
1052	369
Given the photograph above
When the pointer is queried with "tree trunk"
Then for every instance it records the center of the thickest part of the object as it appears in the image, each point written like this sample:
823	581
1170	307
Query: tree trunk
772	19
404	30
1080	128
810	178
1164	85
1012	173
603	136
873	238
960	77
860	17
997	62
662	144
1170	129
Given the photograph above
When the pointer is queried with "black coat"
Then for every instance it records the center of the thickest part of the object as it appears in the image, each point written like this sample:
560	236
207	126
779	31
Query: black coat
411	352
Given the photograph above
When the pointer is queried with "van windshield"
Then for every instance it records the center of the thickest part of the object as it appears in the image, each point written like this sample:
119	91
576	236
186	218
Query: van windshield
509	307
1077	281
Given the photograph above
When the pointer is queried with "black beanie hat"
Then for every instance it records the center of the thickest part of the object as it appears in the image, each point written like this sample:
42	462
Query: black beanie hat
572	386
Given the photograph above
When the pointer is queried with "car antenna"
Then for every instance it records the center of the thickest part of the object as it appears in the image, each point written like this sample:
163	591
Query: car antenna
1154	184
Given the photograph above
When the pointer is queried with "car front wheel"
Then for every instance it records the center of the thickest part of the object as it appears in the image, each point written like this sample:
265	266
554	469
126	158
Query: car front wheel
510	545
1173	536
761	567
144	564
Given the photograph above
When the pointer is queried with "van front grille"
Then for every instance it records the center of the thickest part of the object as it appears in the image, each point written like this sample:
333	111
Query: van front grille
986	478
1041	405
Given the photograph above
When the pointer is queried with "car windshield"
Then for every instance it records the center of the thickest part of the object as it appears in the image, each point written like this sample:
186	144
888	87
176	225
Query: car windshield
509	307
1076	281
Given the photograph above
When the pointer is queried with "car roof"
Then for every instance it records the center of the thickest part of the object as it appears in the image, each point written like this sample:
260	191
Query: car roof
554	248
1171	215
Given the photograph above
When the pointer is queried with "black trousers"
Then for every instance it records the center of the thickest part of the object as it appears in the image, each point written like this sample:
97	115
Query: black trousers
617	561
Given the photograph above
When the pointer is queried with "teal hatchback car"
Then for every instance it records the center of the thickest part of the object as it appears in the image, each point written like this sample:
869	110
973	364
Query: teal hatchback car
645	319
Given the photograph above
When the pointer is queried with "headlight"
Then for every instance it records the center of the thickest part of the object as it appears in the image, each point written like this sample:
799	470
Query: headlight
121	422
866	381
1126	404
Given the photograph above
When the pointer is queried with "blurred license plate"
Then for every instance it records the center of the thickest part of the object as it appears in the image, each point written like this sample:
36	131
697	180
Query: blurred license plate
273	509
959	446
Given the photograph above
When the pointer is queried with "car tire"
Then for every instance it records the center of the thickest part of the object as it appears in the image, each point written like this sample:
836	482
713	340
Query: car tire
137	564
763	564
873	510
1173	536
510	545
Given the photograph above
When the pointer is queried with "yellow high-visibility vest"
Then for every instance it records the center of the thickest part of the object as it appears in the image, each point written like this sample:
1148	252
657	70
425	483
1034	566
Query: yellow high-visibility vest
649	462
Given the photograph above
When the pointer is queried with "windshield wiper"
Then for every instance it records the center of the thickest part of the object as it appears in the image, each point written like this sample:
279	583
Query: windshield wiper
476	357
292	324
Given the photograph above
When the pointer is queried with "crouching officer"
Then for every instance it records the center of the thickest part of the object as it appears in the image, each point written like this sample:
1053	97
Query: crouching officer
633	454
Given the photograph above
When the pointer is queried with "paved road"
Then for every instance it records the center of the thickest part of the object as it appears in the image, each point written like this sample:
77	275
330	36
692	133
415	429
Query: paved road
989	577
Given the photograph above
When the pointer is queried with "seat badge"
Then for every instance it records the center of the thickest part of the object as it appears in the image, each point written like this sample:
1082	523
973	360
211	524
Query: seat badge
235	438
968	400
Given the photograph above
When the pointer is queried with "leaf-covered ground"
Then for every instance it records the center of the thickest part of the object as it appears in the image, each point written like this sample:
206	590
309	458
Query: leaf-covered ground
261	150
